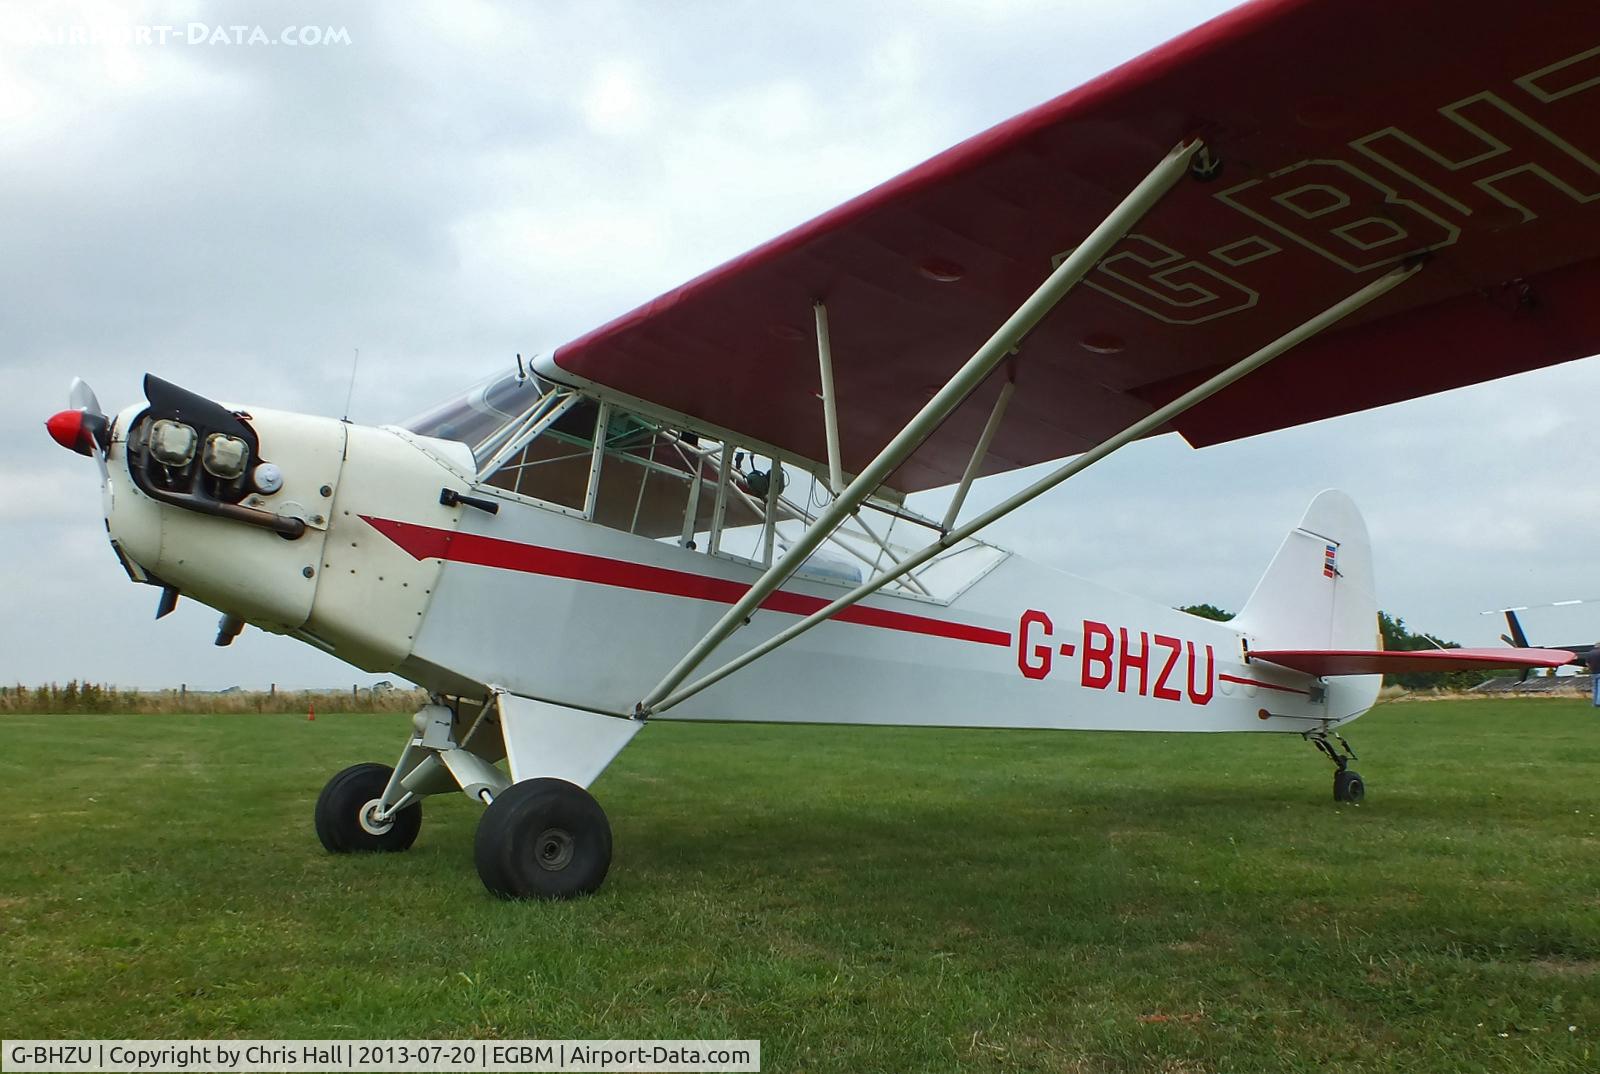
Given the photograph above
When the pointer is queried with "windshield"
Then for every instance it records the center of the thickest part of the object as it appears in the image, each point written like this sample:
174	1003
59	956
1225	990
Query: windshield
487	408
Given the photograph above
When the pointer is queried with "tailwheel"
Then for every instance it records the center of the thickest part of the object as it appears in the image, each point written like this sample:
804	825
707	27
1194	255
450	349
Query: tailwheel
543	839
1348	787
348	818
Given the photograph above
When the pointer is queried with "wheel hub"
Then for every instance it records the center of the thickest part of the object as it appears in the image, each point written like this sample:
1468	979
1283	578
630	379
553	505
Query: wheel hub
369	819
553	849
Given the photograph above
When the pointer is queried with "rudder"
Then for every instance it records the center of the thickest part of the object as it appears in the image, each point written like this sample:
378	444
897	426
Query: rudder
1318	592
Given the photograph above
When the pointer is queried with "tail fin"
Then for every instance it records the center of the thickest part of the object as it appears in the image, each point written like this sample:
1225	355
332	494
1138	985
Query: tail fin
1516	639
1318	592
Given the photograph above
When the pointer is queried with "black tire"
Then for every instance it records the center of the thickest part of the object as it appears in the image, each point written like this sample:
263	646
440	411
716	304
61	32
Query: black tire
1348	786
543	839
341	807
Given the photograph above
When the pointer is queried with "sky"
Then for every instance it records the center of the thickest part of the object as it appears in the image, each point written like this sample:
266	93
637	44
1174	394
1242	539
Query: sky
444	186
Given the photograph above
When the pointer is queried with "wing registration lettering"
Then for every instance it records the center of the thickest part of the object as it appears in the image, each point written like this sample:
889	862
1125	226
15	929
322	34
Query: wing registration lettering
1159	281
1338	211
1487	153
1565	77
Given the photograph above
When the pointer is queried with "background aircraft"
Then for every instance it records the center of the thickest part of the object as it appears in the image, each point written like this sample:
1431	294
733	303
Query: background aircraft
1517	638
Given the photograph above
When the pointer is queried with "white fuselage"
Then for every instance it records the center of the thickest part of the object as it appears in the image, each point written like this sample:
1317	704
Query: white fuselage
550	606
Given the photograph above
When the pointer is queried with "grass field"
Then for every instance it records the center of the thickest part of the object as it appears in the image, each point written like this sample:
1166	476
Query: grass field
859	899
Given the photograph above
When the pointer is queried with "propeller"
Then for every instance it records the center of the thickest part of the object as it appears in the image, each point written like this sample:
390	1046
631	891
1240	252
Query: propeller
83	427
81	397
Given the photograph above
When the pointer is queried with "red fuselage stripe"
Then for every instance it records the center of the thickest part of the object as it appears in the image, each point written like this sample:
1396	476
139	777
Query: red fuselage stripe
1263	685
426	542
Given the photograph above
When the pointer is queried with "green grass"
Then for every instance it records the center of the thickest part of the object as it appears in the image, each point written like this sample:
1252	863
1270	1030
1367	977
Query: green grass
860	899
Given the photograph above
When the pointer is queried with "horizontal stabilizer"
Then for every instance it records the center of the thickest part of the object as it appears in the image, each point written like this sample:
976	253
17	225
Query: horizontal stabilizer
1396	662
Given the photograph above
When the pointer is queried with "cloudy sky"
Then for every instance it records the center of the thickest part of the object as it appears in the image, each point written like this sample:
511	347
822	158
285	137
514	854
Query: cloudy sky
458	182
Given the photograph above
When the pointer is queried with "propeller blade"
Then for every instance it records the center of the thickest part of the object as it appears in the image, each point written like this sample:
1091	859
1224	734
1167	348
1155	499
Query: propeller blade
93	424
81	397
100	461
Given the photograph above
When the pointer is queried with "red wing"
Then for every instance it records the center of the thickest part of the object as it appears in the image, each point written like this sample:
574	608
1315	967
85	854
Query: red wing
1351	134
1391	662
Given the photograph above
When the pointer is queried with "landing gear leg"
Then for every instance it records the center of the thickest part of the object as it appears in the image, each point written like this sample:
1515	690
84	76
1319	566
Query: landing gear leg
1348	785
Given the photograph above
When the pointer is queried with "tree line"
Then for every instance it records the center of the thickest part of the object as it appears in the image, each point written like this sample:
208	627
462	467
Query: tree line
88	697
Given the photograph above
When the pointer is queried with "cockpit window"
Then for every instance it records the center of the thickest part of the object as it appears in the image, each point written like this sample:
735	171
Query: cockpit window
555	465
648	479
479	415
562	448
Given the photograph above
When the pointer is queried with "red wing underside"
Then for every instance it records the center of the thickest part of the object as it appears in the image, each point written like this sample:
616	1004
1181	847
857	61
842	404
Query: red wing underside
1380	662
1352	134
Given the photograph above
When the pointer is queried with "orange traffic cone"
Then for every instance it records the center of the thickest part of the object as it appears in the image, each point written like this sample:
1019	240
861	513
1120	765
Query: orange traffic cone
311	713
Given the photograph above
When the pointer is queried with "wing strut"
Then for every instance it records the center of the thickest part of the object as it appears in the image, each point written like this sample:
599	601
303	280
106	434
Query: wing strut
830	402
1138	429
1056	287
979	450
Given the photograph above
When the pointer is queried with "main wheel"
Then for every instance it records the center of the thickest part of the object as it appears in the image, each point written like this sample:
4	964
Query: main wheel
1348	787
543	839
345	821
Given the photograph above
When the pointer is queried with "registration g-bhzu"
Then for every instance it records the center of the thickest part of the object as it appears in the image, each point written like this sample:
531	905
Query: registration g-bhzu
698	511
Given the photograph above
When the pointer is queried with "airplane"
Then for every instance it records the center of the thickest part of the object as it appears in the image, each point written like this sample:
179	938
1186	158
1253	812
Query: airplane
1300	209
1517	638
